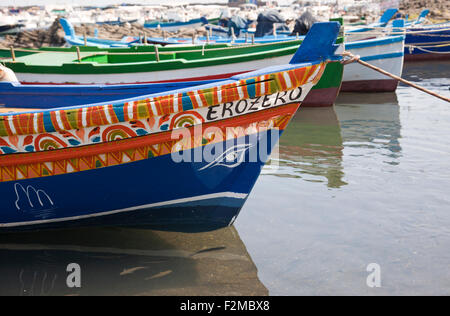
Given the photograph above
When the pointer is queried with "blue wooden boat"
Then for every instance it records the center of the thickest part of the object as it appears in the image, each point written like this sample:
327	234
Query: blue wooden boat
175	26
183	160
431	42
8	29
360	33
419	20
119	21
76	40
385	22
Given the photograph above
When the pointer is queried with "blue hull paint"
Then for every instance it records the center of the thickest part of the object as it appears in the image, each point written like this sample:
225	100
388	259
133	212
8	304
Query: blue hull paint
15	95
97	42
437	42
163	194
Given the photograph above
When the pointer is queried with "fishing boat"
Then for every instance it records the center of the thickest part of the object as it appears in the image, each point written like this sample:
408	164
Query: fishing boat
77	40
97	67
386	53
367	31
384	27
7	29
180	160
119	22
430	42
175	26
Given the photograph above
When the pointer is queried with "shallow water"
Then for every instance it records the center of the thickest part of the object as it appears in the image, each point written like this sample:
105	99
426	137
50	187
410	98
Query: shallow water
364	182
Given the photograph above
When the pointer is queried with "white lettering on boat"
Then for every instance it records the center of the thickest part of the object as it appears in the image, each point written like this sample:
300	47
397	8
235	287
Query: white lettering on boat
37	194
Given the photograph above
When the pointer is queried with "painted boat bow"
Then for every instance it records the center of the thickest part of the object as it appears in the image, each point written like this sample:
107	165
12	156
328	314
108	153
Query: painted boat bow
143	161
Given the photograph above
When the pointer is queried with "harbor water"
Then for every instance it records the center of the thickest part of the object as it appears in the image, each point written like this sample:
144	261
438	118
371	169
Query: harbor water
362	184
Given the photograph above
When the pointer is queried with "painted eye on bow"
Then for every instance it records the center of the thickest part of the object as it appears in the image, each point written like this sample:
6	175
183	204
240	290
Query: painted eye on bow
231	158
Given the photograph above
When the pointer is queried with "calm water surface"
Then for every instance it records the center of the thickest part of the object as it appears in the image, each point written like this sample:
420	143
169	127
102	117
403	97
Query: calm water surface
367	181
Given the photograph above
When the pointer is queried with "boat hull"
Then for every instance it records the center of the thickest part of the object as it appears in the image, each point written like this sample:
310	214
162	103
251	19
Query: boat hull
183	160
386	54
428	43
188	170
325	92
165	193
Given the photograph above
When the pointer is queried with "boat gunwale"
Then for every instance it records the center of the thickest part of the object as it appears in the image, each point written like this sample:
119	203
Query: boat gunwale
221	83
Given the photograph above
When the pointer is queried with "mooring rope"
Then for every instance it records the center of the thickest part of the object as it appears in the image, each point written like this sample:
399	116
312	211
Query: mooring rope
423	48
350	58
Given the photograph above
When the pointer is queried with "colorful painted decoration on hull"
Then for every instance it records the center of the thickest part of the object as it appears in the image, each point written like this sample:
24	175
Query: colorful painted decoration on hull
55	129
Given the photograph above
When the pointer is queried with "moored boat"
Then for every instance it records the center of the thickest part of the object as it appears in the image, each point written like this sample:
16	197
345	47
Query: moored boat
76	40
182	160
385	53
7	29
430	42
192	64
175	26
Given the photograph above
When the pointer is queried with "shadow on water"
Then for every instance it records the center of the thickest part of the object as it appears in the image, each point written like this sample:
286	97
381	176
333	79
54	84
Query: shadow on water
311	147
372	122
127	261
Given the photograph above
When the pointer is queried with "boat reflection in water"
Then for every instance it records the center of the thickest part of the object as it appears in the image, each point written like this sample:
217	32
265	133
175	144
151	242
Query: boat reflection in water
311	148
315	141
126	261
370	125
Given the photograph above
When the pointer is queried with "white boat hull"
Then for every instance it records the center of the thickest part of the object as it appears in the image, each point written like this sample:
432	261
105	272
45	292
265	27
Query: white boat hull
382	53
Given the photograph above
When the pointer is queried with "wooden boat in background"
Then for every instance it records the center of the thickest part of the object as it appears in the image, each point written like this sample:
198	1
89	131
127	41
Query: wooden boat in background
430	42
366	32
123	68
7	29
180	160
142	67
175	26
76	40
383	27
386	53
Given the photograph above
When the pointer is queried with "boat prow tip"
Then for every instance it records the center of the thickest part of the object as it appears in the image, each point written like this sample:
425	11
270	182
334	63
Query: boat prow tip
318	43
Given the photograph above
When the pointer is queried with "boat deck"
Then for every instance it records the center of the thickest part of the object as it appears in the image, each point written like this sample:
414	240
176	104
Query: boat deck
55	58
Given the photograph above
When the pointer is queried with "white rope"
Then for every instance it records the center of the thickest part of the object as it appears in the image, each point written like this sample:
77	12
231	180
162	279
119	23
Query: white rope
412	47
